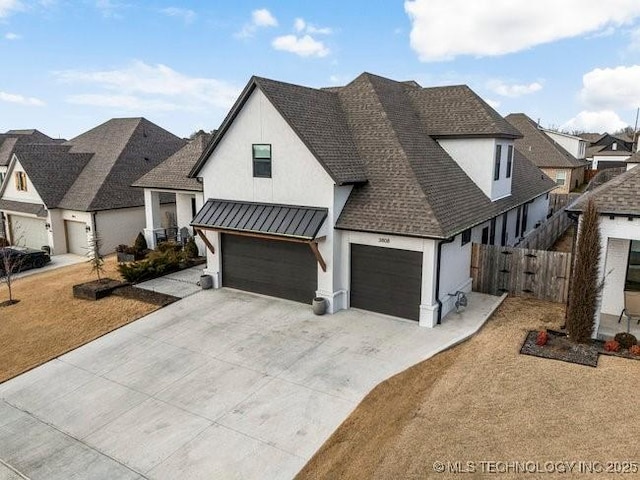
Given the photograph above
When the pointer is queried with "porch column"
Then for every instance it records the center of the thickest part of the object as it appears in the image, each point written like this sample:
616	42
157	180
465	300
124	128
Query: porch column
152	216
428	301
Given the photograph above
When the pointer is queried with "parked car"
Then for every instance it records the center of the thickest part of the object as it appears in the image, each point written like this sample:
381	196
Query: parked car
24	258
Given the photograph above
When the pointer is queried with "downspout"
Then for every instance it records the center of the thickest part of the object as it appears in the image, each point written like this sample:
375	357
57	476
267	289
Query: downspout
439	257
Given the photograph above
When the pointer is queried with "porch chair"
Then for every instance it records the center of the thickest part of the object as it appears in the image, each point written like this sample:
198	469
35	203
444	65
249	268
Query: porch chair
631	308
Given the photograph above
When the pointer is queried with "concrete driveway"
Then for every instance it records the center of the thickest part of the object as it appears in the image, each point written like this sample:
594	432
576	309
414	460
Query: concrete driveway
222	384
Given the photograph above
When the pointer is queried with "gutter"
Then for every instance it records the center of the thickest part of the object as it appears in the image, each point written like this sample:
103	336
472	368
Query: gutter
448	240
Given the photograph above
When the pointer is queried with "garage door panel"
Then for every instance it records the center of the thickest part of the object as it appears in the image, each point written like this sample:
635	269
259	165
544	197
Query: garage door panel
386	280
270	267
29	232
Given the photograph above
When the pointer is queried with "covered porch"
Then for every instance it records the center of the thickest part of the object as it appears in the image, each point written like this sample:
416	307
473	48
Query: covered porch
168	216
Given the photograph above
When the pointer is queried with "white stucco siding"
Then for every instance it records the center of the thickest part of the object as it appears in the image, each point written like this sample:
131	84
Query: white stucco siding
115	227
572	144
455	272
537	212
12	193
476	156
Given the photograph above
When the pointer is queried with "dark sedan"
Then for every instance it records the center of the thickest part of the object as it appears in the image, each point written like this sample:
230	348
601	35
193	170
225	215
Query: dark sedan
21	258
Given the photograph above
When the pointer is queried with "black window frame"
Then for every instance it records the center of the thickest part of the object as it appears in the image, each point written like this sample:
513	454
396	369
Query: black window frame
628	286
509	160
261	160
485	236
496	164
465	237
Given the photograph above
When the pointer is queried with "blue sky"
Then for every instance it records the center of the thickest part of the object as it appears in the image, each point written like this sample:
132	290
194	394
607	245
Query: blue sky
68	66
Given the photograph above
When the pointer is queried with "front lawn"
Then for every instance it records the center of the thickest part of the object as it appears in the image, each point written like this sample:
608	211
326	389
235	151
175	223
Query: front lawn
48	321
483	401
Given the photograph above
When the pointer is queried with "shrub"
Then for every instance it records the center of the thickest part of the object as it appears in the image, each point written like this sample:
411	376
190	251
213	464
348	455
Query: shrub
611	346
155	265
168	246
542	338
122	248
635	350
585	285
191	249
140	245
626	340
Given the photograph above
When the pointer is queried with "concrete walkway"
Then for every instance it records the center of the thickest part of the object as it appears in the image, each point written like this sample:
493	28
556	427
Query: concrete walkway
179	284
222	384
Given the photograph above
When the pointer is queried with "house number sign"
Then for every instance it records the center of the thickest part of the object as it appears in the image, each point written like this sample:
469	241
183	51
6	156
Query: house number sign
384	240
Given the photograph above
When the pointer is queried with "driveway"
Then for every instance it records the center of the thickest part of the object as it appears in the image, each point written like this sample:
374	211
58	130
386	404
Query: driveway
223	384
57	261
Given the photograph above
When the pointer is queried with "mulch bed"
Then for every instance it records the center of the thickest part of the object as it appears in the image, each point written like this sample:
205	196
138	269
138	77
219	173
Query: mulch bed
559	347
147	296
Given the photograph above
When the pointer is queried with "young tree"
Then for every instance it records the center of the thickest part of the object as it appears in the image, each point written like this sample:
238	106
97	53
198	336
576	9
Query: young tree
95	259
10	265
586	286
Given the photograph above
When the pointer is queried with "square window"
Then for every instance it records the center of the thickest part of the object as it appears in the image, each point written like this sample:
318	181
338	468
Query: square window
262	160
466	236
496	168
561	177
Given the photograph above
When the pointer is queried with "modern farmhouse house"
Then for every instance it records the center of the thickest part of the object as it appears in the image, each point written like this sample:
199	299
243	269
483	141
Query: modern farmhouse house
368	195
60	195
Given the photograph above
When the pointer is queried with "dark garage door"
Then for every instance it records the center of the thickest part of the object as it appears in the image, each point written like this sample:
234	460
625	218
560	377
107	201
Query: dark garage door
270	267
386	280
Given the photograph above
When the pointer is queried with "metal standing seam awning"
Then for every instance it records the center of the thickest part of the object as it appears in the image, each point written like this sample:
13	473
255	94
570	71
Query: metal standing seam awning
263	220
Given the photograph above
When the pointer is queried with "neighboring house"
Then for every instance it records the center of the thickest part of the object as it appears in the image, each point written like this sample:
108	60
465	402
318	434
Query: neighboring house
62	195
543	149
9	141
573	144
607	151
618	202
633	160
369	195
171	178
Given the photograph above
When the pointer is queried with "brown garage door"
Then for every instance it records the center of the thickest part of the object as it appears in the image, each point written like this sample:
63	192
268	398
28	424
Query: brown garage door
386	280
270	267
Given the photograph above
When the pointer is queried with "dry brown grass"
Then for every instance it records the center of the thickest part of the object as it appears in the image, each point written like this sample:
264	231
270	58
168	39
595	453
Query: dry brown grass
483	401
48	321
565	242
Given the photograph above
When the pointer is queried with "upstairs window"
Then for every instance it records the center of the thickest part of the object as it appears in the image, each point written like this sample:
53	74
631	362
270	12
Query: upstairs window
496	168
466	236
21	181
262	160
509	160
561	177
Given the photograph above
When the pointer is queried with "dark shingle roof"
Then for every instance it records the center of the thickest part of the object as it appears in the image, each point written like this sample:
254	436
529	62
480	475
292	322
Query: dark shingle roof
414	187
458	111
317	118
123	150
23	207
539	147
591	137
635	158
13	138
173	172
619	196
52	169
383	131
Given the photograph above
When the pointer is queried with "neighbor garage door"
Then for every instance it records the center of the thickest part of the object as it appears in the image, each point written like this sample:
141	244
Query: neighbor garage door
28	231
386	280
76	237
271	267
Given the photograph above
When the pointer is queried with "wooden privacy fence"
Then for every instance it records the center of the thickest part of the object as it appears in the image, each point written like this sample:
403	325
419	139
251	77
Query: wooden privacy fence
543	237
558	201
537	273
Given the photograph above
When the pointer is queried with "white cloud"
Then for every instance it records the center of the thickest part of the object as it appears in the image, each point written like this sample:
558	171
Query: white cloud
513	90
495	104
187	16
611	88
444	29
301	26
595	121
261	18
141	86
12	36
305	46
21	99
7	7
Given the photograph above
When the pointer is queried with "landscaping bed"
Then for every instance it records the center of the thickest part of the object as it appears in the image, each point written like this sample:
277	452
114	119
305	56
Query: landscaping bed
97	289
147	296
